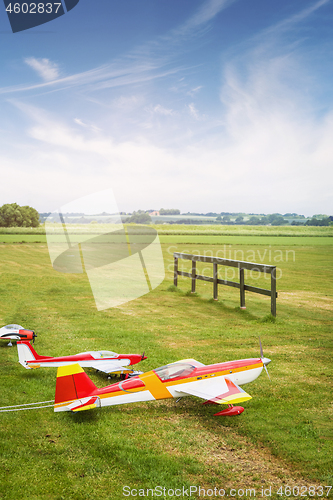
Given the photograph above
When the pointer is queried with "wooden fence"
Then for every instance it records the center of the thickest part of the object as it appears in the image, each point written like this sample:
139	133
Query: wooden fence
241	265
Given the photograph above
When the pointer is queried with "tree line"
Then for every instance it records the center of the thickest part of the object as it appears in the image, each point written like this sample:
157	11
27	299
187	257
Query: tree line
12	215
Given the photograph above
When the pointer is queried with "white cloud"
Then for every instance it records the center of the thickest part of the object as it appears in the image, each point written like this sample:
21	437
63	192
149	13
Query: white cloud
117	74
162	111
46	69
193	111
89	126
202	16
268	158
192	92
128	103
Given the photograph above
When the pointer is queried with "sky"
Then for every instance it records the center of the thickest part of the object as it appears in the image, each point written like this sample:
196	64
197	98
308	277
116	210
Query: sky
206	106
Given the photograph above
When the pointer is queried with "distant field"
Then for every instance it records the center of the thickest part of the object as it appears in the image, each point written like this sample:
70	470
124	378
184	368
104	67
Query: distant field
201	239
173	229
208	235
246	240
284	437
245	230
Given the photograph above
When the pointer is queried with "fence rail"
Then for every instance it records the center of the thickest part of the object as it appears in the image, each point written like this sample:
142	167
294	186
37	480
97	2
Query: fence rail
241	265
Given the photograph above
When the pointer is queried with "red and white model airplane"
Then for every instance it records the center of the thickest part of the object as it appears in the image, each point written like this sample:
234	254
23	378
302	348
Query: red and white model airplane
16	332
218	383
104	361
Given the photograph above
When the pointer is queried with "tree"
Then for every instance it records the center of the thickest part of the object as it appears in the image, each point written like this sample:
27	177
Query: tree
279	221
169	211
254	221
240	218
12	215
139	217
318	222
297	223
276	219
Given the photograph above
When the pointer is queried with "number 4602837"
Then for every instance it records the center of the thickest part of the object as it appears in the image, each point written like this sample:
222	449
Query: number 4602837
33	8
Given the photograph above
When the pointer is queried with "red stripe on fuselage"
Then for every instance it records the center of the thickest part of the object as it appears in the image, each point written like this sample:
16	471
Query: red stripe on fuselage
227	365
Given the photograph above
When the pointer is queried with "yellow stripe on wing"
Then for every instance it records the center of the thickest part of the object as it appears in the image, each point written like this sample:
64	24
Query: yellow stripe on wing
155	386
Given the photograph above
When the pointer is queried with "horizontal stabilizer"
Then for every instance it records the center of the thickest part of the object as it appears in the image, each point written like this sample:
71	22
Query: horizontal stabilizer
88	405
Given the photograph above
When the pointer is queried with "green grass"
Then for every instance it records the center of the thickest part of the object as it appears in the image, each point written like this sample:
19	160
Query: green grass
226	240
285	433
245	230
200	239
22	238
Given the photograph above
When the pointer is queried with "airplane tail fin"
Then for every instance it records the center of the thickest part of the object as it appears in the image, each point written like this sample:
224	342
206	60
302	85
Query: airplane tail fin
26	352
74	390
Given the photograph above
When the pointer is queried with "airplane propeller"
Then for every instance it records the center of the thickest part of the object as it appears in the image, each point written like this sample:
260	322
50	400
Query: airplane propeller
34	335
143	356
265	361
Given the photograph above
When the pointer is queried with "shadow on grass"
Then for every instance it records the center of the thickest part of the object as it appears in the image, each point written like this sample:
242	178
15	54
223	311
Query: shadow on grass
217	303
244	313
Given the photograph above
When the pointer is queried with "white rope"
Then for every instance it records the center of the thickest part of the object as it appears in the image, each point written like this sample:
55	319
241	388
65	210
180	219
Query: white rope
32	408
27	404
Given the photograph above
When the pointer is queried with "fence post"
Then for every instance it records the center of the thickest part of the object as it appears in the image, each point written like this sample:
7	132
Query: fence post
215	292
273	292
241	288
175	272
194	264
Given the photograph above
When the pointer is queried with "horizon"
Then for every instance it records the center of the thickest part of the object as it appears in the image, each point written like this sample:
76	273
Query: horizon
207	214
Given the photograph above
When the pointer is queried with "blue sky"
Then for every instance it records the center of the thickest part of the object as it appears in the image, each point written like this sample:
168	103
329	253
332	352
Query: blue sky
216	105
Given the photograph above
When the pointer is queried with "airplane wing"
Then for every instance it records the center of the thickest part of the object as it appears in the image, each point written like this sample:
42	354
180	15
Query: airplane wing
112	366
219	391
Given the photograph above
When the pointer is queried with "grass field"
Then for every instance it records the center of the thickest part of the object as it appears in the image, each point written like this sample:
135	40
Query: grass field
284	437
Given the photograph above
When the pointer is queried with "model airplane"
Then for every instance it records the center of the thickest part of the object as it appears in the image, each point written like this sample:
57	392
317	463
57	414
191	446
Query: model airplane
104	361
16	332
218	384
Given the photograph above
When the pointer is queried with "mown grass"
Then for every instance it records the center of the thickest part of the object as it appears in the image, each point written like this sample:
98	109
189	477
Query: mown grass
285	433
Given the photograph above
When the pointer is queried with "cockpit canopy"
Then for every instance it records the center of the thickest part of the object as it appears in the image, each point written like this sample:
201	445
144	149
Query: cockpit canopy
13	327
174	370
